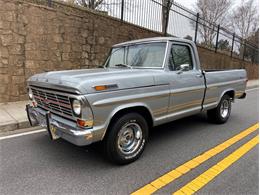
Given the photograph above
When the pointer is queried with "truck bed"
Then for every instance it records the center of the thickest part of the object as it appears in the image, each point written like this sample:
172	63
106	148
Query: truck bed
215	70
220	81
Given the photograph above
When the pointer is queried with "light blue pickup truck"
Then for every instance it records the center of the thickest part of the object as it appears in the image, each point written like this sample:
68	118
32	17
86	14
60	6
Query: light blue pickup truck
143	83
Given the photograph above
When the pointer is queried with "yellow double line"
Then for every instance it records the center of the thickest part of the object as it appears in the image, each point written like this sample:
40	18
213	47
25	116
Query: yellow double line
215	170
186	167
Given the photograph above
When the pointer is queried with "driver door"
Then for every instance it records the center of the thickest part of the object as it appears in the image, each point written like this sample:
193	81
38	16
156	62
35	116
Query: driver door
186	82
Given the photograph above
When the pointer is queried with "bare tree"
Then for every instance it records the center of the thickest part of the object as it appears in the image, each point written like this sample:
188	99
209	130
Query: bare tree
69	1
166	6
104	5
212	13
244	19
244	22
251	51
91	4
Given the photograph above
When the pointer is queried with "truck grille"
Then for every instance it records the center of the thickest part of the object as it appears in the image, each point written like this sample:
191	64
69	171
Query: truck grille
53	102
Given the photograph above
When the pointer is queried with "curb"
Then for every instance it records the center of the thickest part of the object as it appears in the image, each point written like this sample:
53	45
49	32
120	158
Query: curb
252	87
11	126
17	131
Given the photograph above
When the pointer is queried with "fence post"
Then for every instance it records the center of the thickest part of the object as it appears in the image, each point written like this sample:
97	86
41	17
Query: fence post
233	42
49	3
166	15
216	46
196	28
244	50
122	9
253	56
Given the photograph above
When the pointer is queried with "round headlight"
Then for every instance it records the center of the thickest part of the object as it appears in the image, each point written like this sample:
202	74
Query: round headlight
30	94
76	105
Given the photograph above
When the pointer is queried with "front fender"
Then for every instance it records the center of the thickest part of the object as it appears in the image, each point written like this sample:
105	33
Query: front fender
122	107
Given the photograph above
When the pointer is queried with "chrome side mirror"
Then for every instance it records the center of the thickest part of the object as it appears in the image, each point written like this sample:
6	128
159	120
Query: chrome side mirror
183	67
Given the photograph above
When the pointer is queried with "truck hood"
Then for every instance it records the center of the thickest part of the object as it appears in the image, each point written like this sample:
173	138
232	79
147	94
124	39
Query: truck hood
84	80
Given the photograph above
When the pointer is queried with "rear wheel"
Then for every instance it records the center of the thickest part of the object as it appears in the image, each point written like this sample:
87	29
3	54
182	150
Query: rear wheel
221	113
126	138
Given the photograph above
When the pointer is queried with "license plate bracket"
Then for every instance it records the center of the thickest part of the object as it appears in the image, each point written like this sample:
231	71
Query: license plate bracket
42	120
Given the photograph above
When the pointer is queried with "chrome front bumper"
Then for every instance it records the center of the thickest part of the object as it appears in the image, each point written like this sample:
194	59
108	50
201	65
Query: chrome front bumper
65	129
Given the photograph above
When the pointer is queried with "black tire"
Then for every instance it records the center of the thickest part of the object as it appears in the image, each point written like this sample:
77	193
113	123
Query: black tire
216	115
112	146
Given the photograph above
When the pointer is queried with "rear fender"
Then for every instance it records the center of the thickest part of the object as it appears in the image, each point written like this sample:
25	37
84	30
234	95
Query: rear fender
229	90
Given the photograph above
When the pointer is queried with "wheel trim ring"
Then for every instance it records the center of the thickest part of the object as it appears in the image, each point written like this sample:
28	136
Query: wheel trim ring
224	108
129	146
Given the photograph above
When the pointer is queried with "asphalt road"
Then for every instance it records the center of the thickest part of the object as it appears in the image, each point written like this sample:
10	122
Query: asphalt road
32	164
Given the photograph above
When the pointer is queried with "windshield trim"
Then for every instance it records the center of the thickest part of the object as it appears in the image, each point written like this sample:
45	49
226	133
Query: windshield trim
165	55
139	43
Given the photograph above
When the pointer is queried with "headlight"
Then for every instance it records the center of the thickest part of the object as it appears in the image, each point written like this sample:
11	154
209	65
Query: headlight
82	111
76	106
30	94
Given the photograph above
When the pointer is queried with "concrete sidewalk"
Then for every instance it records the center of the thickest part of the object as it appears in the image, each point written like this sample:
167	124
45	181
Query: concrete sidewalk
13	115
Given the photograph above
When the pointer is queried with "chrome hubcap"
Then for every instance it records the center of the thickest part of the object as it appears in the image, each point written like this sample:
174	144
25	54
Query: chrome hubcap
224	109
129	138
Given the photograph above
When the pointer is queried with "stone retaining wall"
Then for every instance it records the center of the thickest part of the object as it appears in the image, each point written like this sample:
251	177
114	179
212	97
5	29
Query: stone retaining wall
35	38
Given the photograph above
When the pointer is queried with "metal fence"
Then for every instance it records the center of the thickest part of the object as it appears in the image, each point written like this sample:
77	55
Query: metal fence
181	22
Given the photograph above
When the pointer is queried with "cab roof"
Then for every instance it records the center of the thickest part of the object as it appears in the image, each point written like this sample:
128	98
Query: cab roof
154	39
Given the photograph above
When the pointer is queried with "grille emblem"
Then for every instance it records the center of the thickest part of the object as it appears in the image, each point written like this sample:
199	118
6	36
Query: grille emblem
46	101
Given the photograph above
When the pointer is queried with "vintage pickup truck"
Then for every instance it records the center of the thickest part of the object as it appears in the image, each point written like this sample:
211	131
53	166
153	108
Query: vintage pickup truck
142	84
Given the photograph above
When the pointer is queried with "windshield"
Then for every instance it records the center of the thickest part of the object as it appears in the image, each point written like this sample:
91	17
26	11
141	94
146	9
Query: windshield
138	56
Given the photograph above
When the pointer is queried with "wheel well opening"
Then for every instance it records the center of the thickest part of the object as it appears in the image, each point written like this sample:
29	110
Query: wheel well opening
230	94
138	109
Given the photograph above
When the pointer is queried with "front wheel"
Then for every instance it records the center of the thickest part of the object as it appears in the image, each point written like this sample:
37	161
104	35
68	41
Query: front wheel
221	113
126	139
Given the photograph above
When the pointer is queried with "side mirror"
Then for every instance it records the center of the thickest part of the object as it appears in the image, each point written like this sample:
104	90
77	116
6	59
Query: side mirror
183	67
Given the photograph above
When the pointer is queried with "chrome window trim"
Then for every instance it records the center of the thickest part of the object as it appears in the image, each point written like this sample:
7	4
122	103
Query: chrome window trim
166	54
140	43
194	62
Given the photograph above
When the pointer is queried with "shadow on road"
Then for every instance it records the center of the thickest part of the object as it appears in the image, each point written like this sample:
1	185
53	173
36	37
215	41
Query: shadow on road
62	152
179	127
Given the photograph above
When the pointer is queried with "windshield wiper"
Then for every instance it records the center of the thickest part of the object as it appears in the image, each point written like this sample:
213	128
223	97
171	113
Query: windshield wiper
123	65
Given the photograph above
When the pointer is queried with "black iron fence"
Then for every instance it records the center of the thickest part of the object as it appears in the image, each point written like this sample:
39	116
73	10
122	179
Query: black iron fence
181	22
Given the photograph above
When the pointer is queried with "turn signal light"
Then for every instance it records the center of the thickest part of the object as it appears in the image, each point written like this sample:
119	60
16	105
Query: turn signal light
83	123
100	87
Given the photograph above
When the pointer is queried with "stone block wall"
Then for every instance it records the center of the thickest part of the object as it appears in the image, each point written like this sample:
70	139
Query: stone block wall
211	60
35	38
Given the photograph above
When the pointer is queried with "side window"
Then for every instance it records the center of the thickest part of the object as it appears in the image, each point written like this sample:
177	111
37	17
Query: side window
180	55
